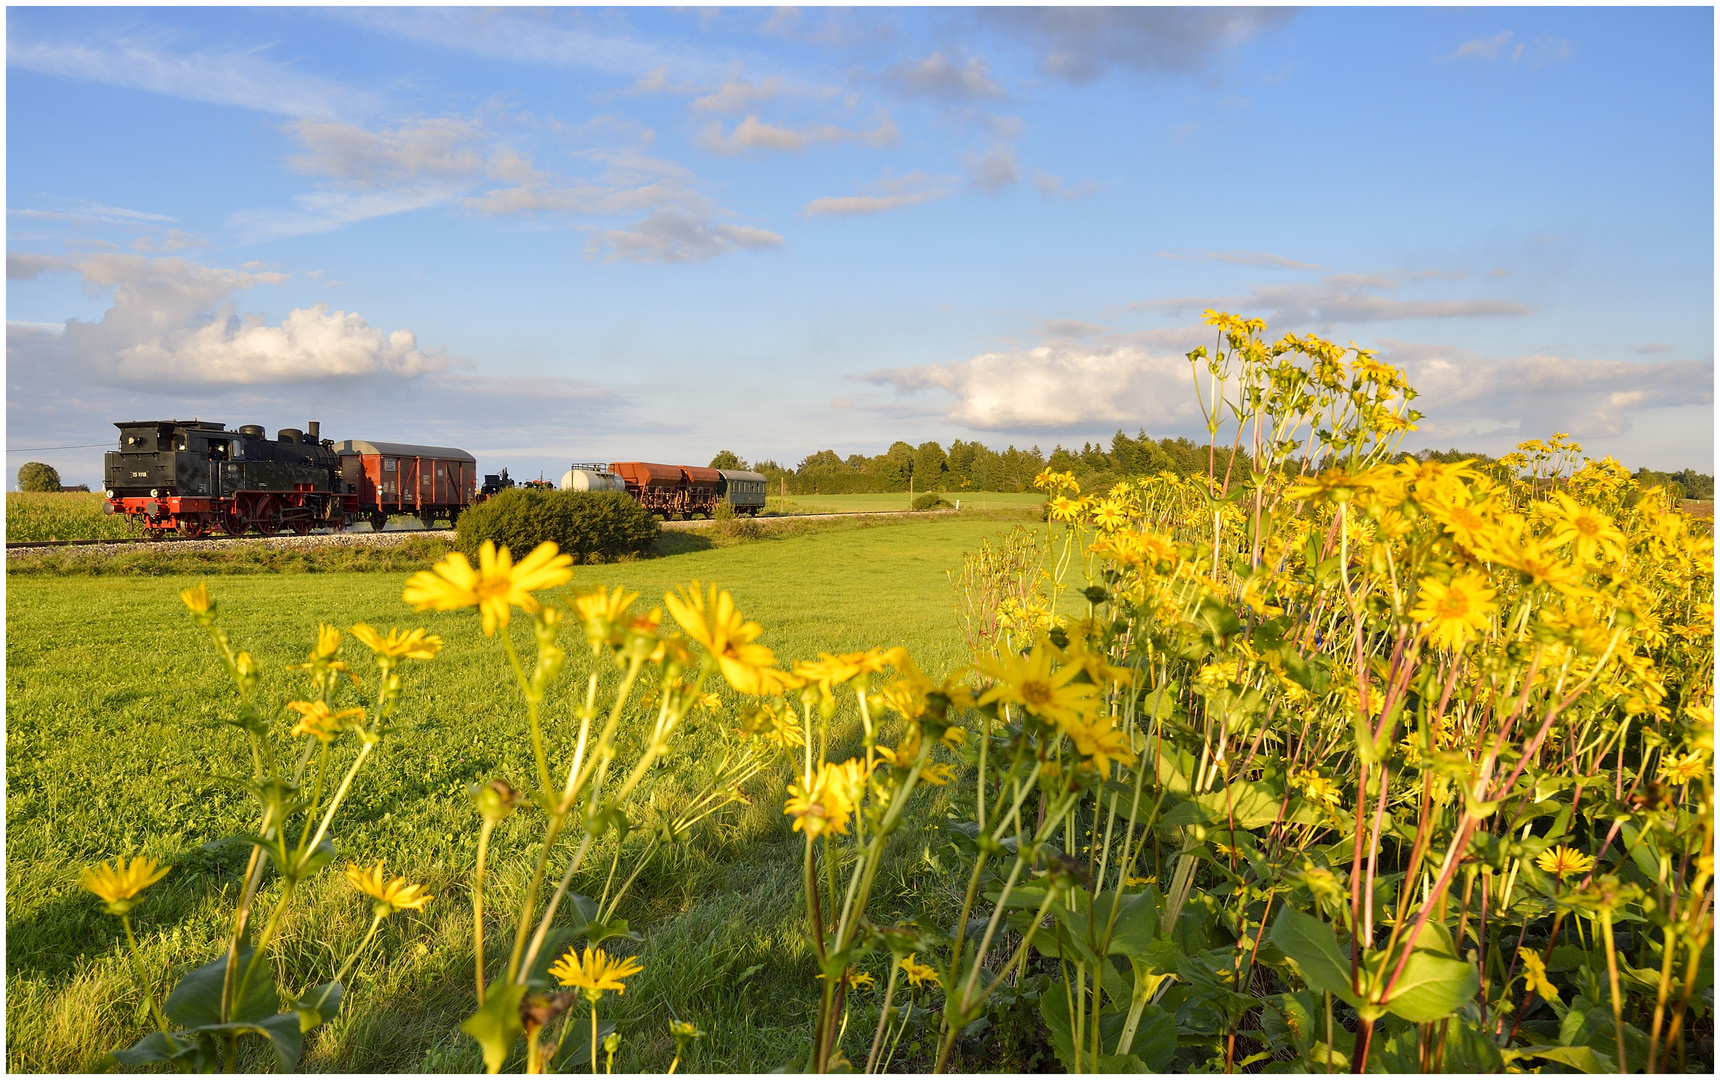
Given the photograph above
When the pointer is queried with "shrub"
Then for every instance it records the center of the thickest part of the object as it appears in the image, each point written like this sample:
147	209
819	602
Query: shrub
35	476
592	526
931	501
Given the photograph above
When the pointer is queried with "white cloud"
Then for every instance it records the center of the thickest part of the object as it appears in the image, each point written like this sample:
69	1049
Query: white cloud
1242	258
1081	44
668	236
1653	347
1051	187
737	95
995	169
1539	52
1481	48
245	78
174	322
1341	298
1463	391
938	76
1056	386
896	193
753	135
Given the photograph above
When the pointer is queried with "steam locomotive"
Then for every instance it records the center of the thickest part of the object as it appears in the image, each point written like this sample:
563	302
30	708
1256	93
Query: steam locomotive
198	478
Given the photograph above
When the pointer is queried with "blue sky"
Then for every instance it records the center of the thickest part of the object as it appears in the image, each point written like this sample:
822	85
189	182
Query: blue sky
643	233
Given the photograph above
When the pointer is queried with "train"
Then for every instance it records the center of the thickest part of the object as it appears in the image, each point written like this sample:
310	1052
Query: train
197	478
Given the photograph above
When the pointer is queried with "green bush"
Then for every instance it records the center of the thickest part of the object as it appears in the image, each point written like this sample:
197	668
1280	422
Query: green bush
592	526
35	476
931	501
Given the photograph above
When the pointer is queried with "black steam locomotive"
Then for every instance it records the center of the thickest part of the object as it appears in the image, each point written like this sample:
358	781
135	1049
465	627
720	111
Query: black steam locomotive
198	477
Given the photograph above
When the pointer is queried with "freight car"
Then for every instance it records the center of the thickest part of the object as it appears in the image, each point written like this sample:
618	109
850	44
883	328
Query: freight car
671	490
197	477
429	482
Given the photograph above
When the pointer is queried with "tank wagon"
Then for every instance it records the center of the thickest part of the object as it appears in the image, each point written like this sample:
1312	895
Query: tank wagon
671	490
197	477
429	482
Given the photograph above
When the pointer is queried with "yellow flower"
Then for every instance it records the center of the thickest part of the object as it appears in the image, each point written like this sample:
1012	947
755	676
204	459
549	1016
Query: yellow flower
317	720
600	611
825	806
1472	530
1454	612
1535	975
413	645
119	882
1216	676
202	608
777	726
594	972
1564	861
1101	743
390	896
917	972
938	775
328	642
1110	514
496	586
859	978
1030	682
828	671
710	702
1592	531
728	637
1685	769
1318	788
1063	508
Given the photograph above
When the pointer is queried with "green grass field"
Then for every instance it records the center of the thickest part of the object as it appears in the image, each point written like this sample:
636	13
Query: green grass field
113	699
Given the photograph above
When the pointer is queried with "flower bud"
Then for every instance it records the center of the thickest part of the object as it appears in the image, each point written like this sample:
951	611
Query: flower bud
495	801
245	673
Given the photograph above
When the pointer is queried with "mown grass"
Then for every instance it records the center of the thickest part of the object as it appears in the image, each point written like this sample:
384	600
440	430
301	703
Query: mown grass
63	515
114	703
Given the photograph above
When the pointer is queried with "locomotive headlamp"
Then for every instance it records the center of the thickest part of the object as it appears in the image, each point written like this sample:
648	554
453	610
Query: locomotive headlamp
108	493
154	493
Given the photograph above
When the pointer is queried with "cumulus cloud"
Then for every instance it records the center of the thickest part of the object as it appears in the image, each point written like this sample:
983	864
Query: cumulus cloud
737	95
1081	44
753	135
1057	386
1466	392
894	194
668	236
942	78
174	322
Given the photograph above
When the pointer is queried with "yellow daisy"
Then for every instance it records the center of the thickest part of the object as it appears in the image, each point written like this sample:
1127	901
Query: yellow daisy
496	586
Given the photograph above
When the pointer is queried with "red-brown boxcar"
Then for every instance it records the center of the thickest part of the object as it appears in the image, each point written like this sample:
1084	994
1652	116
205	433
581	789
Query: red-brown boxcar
396	478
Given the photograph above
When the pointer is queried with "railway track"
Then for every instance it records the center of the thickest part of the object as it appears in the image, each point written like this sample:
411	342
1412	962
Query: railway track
27	544
23	545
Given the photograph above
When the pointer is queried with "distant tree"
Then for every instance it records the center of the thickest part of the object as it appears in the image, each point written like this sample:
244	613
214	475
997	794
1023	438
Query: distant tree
930	465
35	476
824	459
728	459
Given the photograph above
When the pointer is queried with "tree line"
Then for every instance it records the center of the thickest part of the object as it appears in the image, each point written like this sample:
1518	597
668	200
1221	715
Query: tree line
973	466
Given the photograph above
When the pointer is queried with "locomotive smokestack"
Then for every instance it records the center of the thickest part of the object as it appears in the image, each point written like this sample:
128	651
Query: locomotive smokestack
315	430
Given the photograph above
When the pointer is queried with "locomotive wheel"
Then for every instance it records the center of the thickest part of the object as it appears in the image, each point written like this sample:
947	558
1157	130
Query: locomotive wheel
191	527
233	523
301	526
268	517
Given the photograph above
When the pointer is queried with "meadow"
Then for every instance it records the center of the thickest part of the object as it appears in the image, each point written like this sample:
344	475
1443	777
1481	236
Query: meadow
883	502
64	515
111	701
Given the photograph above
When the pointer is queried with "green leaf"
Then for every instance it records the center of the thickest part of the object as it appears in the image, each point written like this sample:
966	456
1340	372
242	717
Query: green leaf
1054	1010
597	933
316	858
1314	949
575	1055
319	1005
196	1001
497	1024
1581	1058
152	1049
1155	1040
1433	985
